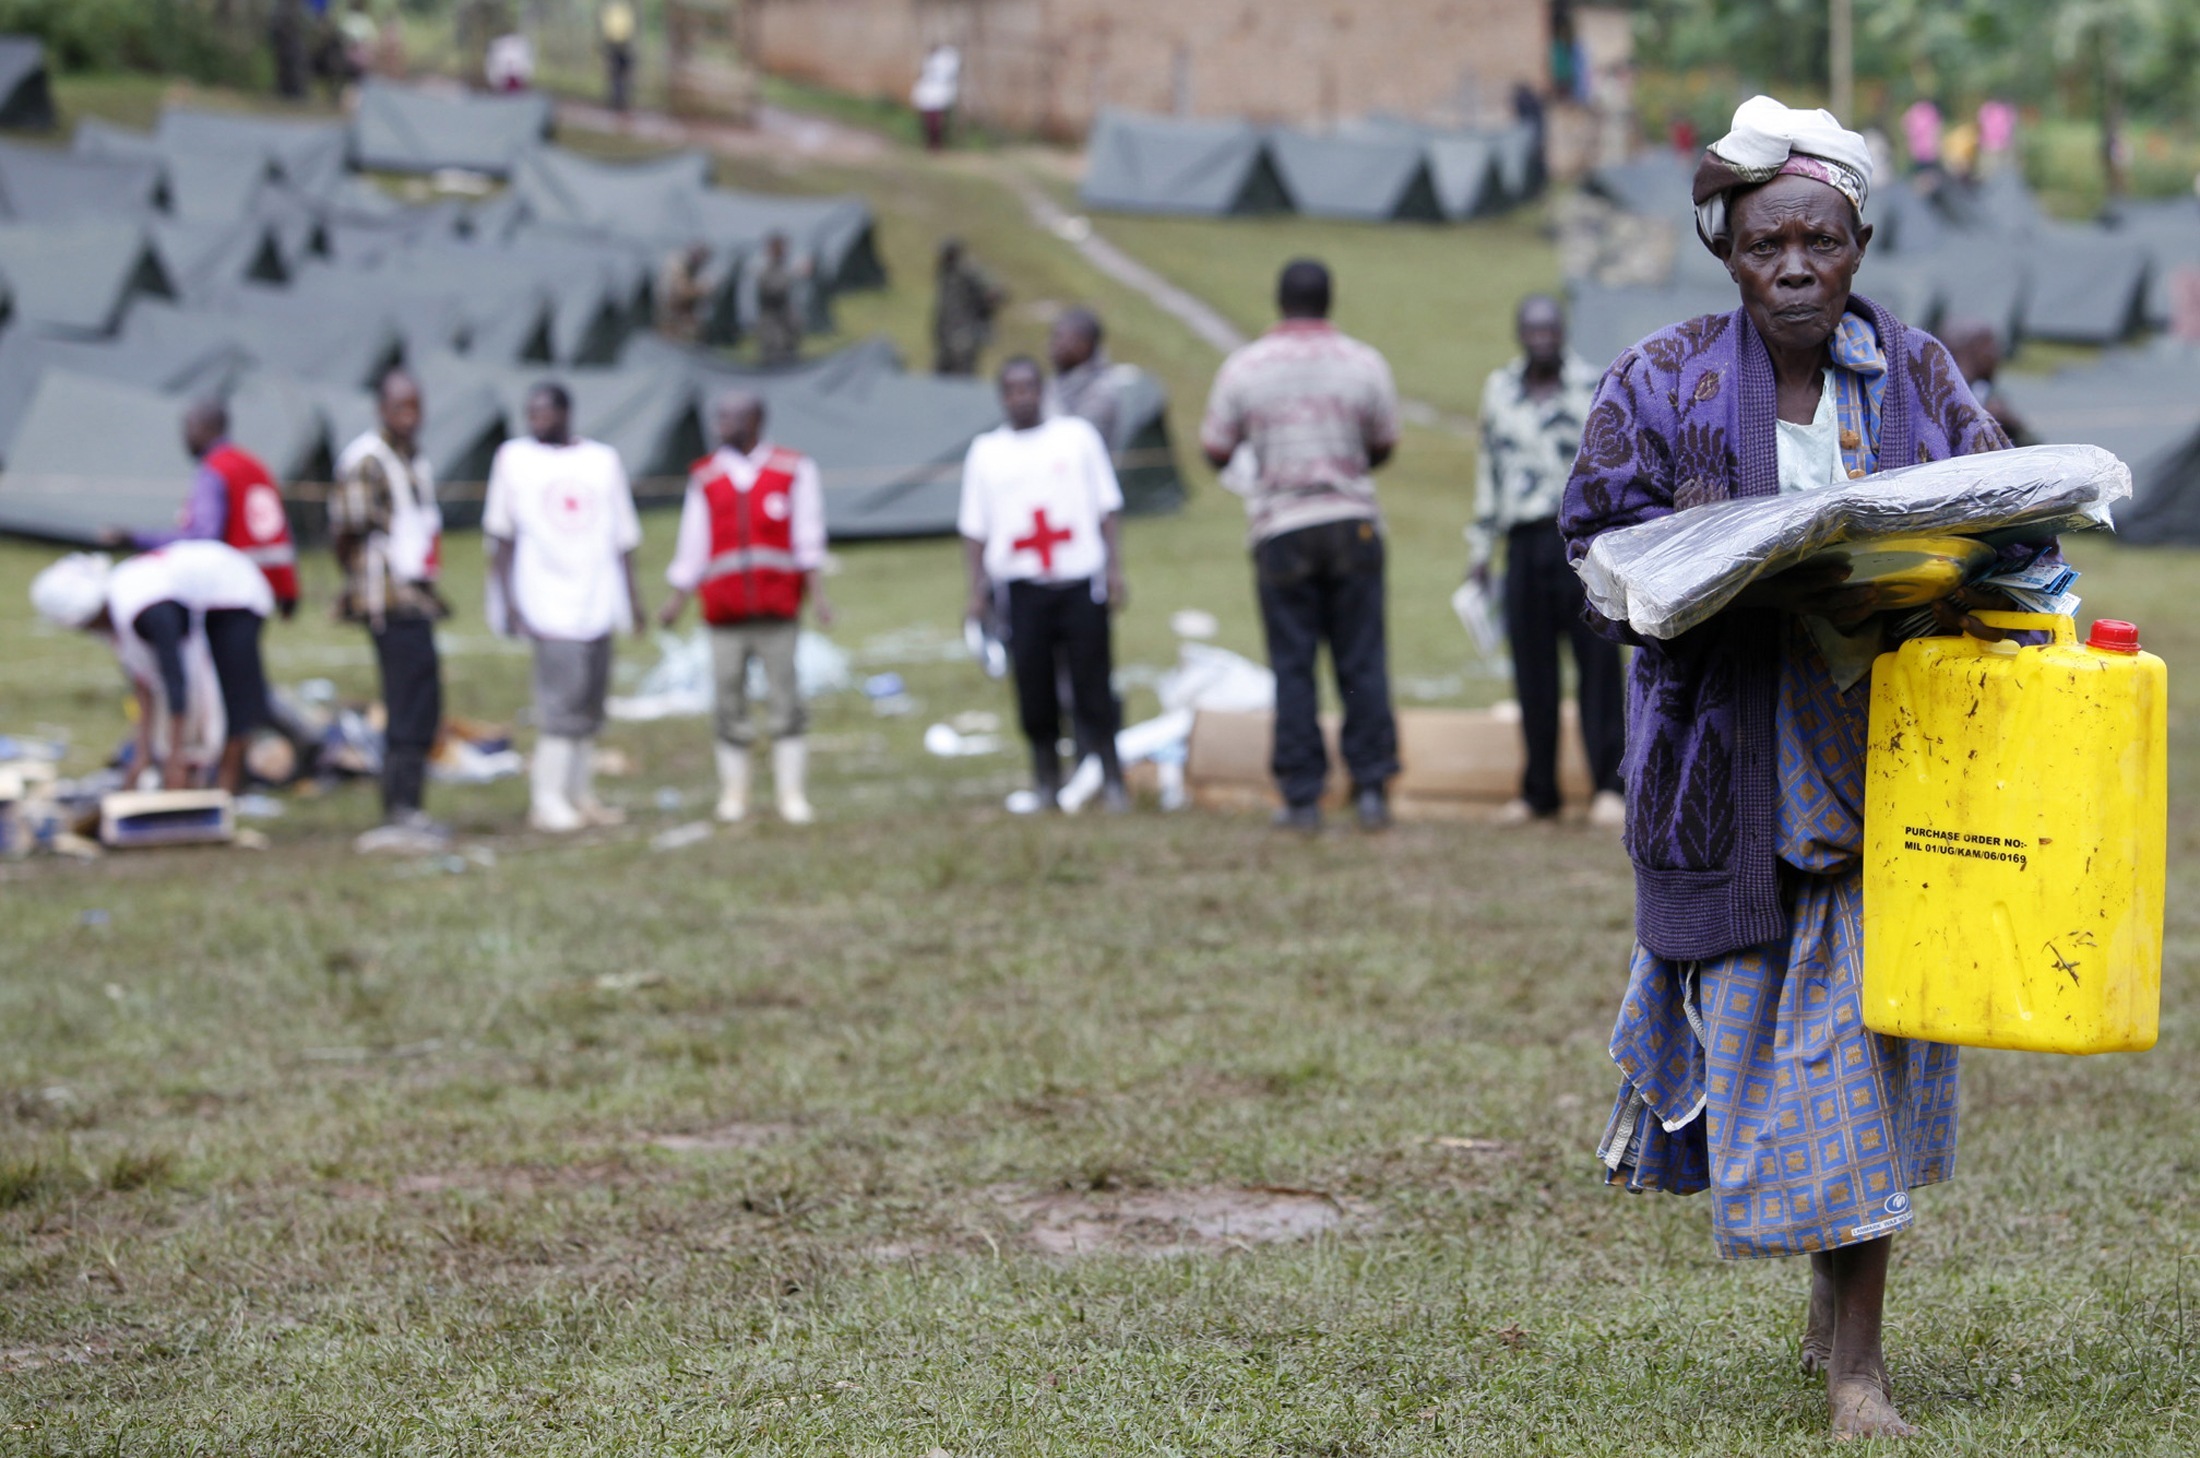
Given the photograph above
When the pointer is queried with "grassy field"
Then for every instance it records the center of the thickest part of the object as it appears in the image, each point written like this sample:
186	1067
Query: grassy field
933	1129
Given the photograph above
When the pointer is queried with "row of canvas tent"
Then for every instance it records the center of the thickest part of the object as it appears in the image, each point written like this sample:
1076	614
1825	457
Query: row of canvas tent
1377	170
132	292
97	451
396	128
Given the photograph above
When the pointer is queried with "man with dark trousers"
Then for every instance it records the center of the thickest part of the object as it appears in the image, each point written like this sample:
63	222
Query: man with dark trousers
1533	411
1318	413
1039	518
386	530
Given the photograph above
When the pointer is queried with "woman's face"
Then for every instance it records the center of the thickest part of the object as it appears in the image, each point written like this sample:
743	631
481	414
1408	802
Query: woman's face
1793	246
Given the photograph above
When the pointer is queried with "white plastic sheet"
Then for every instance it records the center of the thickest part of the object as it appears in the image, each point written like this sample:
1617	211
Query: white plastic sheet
680	684
1666	576
1208	677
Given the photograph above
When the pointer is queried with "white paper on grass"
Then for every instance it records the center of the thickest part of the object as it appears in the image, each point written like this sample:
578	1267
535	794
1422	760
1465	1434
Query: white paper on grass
1669	575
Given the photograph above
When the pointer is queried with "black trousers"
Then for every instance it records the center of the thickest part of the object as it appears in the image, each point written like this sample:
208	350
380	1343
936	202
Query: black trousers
1325	584
1544	602
232	642
412	697
1051	624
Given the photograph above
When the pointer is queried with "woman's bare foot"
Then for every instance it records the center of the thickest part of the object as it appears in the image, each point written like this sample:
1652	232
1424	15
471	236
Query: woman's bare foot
1862	1409
1857	1393
1818	1329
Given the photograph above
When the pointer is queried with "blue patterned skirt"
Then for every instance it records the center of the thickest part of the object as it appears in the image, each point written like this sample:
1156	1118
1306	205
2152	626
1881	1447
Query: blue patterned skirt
1752	1075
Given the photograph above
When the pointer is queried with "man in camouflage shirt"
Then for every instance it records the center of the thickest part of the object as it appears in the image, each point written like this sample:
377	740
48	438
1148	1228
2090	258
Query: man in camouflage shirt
386	529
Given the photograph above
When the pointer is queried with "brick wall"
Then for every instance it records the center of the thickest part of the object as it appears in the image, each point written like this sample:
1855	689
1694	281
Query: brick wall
1049	65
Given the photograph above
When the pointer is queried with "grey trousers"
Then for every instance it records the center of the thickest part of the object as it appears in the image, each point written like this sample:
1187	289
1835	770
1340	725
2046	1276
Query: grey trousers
572	679
772	641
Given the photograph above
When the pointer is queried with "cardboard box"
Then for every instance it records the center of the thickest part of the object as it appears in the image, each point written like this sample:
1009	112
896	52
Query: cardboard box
131	818
1455	764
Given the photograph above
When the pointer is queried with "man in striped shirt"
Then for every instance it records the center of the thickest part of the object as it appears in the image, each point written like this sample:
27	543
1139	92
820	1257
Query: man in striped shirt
1318	414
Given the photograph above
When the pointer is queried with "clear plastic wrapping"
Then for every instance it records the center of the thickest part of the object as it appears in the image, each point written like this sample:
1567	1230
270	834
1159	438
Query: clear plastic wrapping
1666	576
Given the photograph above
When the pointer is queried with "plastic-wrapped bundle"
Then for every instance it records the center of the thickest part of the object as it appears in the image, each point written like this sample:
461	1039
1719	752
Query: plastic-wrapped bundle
1666	576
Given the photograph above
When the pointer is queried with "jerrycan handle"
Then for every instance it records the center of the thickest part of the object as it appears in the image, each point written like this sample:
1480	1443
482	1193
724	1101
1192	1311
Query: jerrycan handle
2064	629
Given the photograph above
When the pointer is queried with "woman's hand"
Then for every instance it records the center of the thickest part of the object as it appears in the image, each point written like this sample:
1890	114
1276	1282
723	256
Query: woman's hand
1955	613
1818	592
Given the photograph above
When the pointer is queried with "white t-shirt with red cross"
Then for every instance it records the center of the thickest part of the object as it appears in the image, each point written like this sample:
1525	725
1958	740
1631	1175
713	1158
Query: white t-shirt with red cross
1036	499
569	514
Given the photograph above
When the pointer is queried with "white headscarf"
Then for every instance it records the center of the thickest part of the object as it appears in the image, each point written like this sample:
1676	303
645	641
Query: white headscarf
1768	140
72	591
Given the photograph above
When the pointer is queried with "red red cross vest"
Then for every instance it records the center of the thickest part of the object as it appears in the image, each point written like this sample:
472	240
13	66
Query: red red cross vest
752	571
255	523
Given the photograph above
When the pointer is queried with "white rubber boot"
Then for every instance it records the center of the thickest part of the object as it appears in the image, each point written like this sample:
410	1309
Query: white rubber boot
583	793
790	775
550	777
733	782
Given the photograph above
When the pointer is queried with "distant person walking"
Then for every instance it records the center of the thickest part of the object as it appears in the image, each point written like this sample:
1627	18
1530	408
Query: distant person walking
963	309
1319	413
234	499
387	533
1997	135
778	306
185	623
938	89
683	290
752	548
1085	383
286	39
1039	521
1921	133
1533	413
510	63
618	26
562	536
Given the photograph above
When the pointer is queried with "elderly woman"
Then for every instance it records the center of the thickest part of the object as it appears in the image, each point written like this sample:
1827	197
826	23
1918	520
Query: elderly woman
1746	1066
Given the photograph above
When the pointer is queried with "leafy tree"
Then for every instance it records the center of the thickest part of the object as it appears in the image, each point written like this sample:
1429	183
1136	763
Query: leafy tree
2072	57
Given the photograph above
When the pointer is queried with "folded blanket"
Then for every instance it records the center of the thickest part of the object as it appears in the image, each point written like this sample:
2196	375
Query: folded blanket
1669	575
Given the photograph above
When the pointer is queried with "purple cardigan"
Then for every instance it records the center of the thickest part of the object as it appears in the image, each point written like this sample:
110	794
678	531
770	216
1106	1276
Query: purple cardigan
1687	417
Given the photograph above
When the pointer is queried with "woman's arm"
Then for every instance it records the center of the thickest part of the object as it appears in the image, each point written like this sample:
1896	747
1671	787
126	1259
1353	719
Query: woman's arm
1622	476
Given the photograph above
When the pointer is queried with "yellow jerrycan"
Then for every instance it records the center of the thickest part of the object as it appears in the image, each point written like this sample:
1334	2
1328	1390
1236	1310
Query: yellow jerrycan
2016	836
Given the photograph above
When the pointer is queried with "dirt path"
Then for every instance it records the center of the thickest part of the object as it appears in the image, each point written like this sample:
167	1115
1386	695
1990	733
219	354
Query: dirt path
1194	313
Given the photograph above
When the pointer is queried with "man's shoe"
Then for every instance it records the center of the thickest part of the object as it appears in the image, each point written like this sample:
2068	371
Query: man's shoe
1115	798
408	833
1608	811
1305	819
1513	813
1372	807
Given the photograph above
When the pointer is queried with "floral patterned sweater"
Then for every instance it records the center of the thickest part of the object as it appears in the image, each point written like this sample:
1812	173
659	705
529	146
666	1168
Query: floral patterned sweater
1688	417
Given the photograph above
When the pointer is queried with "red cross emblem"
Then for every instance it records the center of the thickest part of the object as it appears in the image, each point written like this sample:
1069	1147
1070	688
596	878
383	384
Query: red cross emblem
1044	538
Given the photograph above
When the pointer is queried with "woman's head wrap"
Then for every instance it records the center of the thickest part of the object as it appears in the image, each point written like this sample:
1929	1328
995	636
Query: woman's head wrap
71	592
1770	140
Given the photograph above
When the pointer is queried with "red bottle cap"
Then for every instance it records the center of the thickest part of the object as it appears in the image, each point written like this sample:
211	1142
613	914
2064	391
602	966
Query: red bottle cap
2111	636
